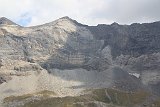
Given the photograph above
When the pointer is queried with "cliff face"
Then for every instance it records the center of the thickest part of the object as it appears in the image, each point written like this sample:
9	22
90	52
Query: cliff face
134	39
67	57
62	40
134	47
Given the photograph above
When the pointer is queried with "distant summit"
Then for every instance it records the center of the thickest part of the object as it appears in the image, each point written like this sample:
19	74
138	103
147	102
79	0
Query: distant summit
114	24
6	21
65	17
69	20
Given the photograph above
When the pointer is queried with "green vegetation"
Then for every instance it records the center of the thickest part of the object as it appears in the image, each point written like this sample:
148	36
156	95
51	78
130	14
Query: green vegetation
46	93
118	97
17	98
127	98
110	97
56	102
43	94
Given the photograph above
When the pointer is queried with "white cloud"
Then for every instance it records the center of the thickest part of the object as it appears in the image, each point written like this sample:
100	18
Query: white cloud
14	8
90	12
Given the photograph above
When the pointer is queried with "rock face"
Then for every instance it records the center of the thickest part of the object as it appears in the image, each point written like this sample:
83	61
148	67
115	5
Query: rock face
67	57
62	41
5	21
134	47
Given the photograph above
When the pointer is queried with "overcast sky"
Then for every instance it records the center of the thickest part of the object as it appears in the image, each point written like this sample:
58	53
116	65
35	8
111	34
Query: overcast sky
91	12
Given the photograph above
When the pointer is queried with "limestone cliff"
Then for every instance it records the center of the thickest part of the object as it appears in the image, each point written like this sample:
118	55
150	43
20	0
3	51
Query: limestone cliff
67	57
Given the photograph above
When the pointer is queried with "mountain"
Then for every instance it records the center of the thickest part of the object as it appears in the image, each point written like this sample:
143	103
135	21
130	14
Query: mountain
5	21
80	65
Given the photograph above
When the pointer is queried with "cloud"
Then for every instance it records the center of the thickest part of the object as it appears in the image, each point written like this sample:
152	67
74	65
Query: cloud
92	12
130	11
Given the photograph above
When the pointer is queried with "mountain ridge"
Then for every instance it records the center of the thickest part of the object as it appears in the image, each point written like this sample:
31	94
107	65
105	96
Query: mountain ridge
5	21
68	18
68	58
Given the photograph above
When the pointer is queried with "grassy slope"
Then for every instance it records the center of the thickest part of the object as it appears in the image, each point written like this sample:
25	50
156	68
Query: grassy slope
114	97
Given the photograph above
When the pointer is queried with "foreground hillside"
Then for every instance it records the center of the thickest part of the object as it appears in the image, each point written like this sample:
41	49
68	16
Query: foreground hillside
66	64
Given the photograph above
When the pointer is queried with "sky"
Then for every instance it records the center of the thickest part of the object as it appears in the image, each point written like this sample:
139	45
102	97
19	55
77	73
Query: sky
90	12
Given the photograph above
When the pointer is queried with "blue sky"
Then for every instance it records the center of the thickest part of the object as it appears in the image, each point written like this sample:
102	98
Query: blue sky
25	19
91	12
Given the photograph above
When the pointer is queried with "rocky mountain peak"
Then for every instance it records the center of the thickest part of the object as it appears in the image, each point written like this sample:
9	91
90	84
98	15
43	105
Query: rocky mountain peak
68	20
66	17
115	24
65	23
6	21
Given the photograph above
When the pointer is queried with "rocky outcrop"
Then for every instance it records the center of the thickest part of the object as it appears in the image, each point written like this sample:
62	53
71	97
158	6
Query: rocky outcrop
134	47
76	56
5	21
134	39
4	79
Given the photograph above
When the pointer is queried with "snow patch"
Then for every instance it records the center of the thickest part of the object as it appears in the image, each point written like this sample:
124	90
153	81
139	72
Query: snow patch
135	74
